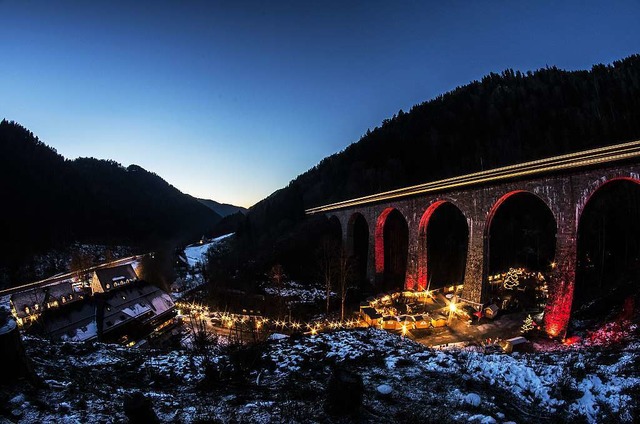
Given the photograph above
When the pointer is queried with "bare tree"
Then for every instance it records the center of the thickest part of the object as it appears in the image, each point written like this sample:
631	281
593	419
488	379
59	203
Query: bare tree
277	277
345	276
327	261
80	261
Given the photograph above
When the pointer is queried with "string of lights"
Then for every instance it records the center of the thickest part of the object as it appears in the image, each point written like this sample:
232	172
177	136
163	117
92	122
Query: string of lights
229	320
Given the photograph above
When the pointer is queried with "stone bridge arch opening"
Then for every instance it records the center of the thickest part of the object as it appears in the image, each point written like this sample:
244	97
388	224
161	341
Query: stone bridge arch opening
391	250
334	231
520	246
608	252
329	243
358	249
442	249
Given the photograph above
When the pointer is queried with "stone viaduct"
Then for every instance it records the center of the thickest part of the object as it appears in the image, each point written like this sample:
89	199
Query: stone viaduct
563	183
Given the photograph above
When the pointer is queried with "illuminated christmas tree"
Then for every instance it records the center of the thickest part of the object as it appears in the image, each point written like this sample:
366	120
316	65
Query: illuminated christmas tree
528	325
511	280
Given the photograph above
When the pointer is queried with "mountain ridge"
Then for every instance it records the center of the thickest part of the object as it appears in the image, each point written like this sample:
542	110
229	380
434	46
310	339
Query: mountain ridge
222	209
55	201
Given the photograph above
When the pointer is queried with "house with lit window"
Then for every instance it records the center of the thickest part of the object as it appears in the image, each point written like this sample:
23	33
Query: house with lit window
132	310
73	322
120	308
108	279
27	306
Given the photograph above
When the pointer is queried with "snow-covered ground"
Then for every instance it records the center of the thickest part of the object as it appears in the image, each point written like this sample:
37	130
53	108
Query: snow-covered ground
285	380
197	253
296	292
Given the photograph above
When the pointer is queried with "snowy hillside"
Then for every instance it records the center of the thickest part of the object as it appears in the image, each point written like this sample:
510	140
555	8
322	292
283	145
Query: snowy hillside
287	381
197	254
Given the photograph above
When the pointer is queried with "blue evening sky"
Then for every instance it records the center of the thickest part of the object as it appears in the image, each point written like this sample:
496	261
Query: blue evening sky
232	100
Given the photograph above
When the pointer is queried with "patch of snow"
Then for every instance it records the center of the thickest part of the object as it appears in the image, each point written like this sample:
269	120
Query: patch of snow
88	332
482	419
136	310
297	292
472	399
278	336
8	326
384	389
197	254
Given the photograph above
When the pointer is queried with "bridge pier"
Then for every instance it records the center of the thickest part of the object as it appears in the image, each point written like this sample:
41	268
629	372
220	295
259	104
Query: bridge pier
474	271
562	277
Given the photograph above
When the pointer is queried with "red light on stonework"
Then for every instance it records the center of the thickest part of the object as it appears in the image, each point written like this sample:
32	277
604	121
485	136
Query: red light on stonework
572	340
379	240
558	311
628	308
410	283
422	239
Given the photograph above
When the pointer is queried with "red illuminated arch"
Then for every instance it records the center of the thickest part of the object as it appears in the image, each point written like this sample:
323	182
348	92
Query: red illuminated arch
582	205
492	213
559	309
379	239
422	239
391	271
496	206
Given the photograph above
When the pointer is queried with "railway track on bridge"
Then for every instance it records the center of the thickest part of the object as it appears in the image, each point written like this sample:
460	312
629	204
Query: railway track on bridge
571	161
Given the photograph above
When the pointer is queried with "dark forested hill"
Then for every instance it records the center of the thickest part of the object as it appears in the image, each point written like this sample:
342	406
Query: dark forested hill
503	119
48	201
222	209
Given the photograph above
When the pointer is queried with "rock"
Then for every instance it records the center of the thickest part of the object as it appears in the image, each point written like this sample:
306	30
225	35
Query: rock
384	390
17	400
14	364
344	393
138	409
17	413
472	399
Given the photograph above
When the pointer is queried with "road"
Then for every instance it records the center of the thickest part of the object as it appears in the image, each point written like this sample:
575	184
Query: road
69	275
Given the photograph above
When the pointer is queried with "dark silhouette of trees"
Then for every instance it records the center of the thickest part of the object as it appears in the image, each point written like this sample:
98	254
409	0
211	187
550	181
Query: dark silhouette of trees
49	202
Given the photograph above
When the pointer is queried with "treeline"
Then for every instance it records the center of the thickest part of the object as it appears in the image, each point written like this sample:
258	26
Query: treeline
49	202
503	119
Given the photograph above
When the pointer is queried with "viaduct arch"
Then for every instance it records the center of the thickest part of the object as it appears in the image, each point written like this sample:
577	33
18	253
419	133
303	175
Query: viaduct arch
561	187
